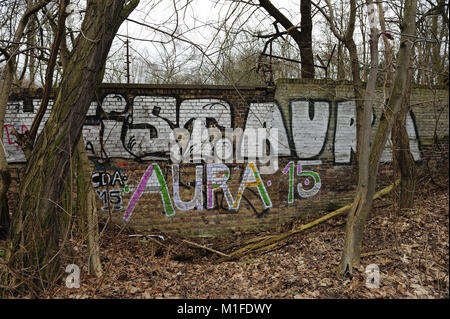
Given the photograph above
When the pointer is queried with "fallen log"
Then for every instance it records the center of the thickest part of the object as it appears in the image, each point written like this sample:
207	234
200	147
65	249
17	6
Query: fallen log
268	242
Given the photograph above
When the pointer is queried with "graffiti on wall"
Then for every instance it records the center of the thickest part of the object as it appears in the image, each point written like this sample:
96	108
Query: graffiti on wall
305	193
110	184
345	134
139	128
217	175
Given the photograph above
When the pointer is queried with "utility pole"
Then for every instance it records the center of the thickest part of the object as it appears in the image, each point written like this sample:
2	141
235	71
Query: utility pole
127	43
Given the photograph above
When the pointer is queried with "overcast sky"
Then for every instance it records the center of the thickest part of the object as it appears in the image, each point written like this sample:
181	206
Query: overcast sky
205	23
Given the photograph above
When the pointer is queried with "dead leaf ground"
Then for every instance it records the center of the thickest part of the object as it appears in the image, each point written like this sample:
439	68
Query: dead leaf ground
411	249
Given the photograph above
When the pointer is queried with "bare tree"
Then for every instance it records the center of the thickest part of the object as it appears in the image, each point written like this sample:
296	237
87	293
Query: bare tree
302	37
404	166
39	225
347	37
8	77
362	204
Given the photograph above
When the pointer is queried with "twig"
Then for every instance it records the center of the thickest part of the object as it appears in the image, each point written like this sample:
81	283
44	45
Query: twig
206	248
150	237
384	251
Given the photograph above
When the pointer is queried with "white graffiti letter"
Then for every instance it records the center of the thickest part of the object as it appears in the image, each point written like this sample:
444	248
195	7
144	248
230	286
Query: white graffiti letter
309	127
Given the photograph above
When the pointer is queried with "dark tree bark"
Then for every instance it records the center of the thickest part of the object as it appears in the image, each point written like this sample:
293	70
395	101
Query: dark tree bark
403	161
305	40
5	177
302	37
37	231
358	90
404	167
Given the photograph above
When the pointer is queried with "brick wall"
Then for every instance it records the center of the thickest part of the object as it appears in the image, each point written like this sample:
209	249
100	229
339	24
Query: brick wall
127	130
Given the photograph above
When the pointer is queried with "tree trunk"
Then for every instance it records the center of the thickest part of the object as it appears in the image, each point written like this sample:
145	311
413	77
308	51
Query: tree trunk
26	141
362	203
4	172
5	179
34	242
387	47
340	63
403	160
436	60
8	74
303	38
87	209
32	43
350	44
365	191
359	96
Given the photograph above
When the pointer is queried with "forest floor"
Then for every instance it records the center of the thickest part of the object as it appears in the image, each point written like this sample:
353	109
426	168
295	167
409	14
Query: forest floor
411	249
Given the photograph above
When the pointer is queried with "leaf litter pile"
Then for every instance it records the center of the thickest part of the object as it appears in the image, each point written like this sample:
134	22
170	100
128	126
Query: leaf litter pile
411	249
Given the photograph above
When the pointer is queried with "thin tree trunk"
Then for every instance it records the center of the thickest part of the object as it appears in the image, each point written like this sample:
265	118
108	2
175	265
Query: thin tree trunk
302	37
340	63
9	72
403	160
387	47
87	209
4	171
436	59
5	178
362	203
305	40
359	97
34	242
363	29
26	141
349	42
32	41
364	193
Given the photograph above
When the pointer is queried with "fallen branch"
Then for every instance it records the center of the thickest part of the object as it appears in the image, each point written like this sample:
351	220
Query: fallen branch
384	251
268	242
206	248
